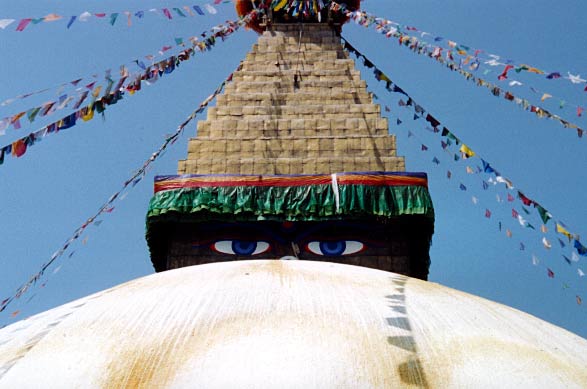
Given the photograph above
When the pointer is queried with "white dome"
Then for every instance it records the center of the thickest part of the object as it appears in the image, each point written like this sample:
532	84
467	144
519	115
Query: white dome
287	324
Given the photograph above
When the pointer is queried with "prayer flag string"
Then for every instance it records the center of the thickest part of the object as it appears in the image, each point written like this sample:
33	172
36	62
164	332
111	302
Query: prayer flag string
108	206
464	152
151	74
112	17
477	56
92	84
435	53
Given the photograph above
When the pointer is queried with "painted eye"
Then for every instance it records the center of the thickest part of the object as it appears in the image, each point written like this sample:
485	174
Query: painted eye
240	247
335	248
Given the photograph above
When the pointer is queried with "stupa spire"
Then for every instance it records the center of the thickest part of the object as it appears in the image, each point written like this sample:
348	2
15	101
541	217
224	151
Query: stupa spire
294	161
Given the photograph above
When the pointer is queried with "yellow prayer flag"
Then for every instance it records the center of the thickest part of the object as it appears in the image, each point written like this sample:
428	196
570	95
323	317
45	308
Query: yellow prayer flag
467	151
561	230
280	5
545	96
88	114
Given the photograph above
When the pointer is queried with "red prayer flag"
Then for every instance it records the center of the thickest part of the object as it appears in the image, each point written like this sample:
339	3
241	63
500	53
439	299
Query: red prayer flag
550	273
22	24
510	198
524	199
515	214
19	148
579	301
487	213
504	75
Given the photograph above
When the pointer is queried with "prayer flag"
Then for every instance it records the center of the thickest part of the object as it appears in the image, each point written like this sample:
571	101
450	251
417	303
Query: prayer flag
550	273
524	199
582	250
52	17
544	214
5	23
487	213
198	10
71	20
22	24
535	260
179	12
429	118
486	167
579	301
19	148
113	18
211	10
547	245
467	152
167	13
508	233
581	273
561	230
462	187
85	16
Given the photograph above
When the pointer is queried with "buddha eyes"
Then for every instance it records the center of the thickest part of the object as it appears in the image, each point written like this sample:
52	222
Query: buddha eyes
335	248
326	248
240	247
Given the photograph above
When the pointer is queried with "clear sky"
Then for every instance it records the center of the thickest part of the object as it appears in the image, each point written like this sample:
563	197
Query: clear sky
60	182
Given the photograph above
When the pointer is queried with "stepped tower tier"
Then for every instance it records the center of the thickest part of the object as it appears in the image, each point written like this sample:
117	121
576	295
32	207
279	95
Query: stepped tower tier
295	160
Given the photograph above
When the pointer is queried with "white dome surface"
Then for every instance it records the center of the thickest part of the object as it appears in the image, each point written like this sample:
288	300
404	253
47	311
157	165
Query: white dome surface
278	324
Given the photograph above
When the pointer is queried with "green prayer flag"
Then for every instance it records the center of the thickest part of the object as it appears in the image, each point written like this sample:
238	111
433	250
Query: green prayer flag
544	215
113	18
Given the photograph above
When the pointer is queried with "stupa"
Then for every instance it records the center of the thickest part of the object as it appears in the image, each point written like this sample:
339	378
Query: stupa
291	250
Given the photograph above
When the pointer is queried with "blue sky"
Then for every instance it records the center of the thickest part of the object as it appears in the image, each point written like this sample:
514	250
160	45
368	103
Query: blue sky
63	180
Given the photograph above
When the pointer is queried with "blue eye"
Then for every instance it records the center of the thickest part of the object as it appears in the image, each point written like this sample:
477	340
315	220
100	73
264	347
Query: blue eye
335	248
240	247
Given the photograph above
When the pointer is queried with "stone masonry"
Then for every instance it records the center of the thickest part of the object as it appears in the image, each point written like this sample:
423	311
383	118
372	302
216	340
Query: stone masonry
297	106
